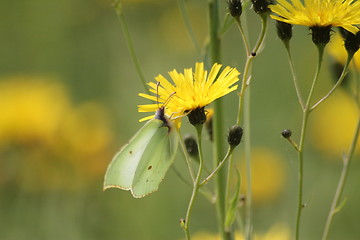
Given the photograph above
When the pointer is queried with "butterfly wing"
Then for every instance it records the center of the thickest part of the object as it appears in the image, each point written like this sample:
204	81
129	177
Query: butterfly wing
141	165
155	162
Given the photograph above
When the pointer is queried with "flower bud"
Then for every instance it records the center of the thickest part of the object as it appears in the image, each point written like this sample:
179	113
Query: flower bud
235	8
197	116
191	146
261	6
286	133
352	42
320	35
235	135
284	30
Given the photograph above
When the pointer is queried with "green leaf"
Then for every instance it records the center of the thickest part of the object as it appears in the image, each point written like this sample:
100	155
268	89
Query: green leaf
342	204
232	209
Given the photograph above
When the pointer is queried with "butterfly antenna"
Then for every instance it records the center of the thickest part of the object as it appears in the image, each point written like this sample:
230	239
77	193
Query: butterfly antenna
168	99
157	93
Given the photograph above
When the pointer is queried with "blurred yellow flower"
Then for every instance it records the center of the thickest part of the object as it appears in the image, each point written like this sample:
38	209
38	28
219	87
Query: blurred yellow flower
268	175
276	232
31	109
45	141
333	125
337	50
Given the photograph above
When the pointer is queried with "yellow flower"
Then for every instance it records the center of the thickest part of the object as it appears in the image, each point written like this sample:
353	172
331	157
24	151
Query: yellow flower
319	13
334	124
190	91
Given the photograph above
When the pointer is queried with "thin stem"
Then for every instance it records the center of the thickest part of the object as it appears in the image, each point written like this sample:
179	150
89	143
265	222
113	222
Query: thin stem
302	140
245	96
264	18
188	26
335	207
295	146
342	181
187	158
217	169
245	41
341	78
292	68
196	183
218	120
246	76
125	29
247	142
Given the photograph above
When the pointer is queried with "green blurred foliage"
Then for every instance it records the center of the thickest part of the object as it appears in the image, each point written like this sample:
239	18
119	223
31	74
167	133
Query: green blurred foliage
80	46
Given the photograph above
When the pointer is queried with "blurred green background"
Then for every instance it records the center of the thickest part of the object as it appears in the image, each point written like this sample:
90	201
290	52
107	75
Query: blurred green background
68	97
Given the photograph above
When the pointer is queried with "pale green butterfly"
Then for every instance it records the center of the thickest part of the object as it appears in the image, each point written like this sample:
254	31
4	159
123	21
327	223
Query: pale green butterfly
141	164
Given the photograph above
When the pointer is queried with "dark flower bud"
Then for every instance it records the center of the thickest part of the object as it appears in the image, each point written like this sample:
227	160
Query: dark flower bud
261	6
235	8
197	116
191	146
286	133
284	30
352	42
235	135
320	35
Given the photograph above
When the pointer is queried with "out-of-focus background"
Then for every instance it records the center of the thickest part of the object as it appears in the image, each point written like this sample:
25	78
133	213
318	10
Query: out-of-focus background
68	102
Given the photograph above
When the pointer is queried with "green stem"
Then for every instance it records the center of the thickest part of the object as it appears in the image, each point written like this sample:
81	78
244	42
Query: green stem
217	169
187	23
342	182
196	185
247	142
187	158
245	97
245	41
125	29
246	76
292	68
306	112
341	78
218	148
335	207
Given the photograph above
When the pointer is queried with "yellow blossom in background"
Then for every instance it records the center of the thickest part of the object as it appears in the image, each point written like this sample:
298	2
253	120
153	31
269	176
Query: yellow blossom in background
268	175
45	141
190	90
31	109
333	125
276	232
319	13
337	50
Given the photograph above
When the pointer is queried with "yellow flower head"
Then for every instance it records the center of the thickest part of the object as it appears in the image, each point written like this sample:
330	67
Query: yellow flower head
319	13
191	90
